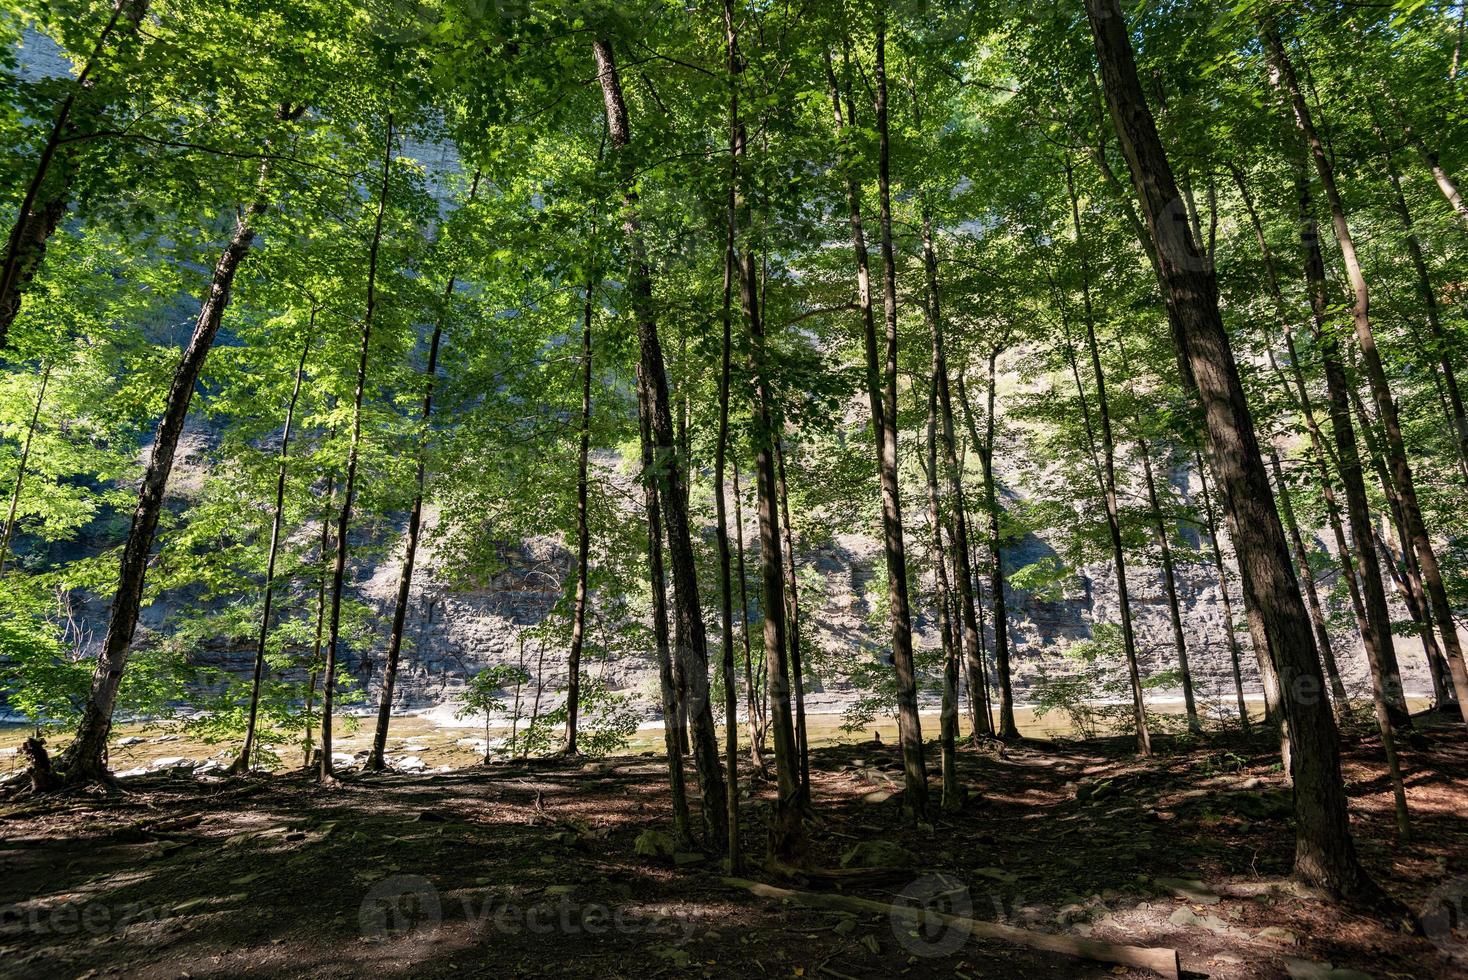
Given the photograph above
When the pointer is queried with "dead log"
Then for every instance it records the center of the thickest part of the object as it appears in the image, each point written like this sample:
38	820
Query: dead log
1159	960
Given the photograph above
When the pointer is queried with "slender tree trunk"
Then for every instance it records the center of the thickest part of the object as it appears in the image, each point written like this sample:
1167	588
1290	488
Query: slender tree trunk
1377	632
1228	606
1108	474
349	481
44	202
1381	393
997	586
1319	446
797	666
948	725
788	835
968	613
20	468
752	689
682	825
583	534
1441	347
1397	700
915	800
1169	583
721	446
83	759
1325	854
694	653
909	730
1445	182
1338	694
321	579
242	762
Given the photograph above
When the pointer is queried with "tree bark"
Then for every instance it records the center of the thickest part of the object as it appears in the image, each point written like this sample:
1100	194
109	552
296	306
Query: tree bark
1108	483
682	825
1440	176
1338	694
948	724
1386	406
694	653
1441	346
42	207
1320	453
1169	582
1325	854
909	731
915	800
20	468
792	606
321	580
1228	605
968	613
349	481
721	446
83	759
242	762
583	535
755	710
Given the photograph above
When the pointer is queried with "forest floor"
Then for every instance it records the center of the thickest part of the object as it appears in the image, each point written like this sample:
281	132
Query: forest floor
533	869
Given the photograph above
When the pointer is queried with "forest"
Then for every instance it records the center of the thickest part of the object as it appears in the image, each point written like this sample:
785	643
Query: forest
805	488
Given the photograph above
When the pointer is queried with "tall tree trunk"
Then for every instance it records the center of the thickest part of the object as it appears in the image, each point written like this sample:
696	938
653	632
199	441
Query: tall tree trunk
694	653
1320	452
984	445
323	574
583	533
1445	182
1393	679
788	835
915	800
44	202
968	613
1108	474
682	825
792	606
242	762
721	446
83	759
948	723
20	467
1338	694
909	730
349	480
1377	632
1169	583
756	715
1325	854
1441	346
1386	406
1228	606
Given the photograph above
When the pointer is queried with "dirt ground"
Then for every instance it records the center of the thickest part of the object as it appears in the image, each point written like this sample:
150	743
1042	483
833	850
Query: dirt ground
532	870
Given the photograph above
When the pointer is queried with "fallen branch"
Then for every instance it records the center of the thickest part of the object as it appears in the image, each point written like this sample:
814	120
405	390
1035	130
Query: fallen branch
1159	960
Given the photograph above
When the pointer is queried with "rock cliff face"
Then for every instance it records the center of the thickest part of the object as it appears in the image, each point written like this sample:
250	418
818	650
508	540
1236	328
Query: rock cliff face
454	632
